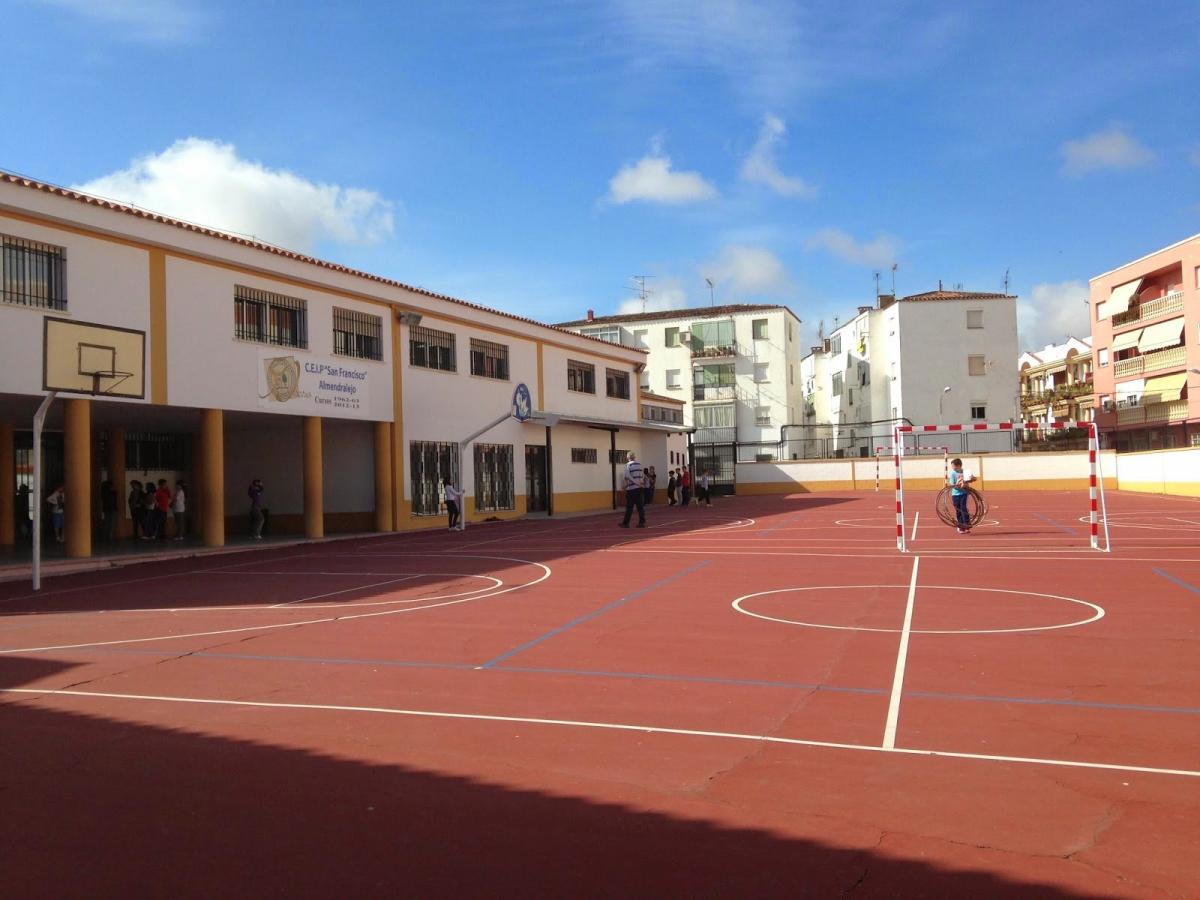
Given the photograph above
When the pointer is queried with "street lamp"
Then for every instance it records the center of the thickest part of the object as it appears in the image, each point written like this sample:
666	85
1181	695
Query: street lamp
941	397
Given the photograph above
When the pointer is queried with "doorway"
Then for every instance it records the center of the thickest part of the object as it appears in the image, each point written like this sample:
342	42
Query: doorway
535	478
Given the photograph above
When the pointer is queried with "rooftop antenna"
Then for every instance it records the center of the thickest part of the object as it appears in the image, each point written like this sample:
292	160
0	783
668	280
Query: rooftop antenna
643	292
894	267
876	284
1006	282
712	299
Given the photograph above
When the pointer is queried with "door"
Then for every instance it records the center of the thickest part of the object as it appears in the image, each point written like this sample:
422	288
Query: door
535	478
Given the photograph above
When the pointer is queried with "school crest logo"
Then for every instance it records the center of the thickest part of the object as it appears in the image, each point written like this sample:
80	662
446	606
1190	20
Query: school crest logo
522	403
283	377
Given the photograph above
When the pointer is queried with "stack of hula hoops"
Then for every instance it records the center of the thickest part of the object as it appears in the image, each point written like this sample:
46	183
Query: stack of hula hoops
976	507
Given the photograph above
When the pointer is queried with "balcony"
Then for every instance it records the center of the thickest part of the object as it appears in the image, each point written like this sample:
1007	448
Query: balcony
1153	413
1059	396
1171	358
703	393
714	351
1150	309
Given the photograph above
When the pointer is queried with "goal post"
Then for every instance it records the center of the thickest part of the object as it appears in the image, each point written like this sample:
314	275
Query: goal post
945	451
1097	508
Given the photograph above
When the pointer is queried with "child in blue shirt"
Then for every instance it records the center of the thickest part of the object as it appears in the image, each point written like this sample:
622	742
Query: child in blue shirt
958	481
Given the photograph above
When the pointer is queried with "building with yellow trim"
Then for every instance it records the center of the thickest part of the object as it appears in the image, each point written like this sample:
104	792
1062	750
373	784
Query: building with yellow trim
348	394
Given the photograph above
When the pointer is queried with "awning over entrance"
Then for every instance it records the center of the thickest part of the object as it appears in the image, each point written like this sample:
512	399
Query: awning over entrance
1127	340
546	417
1164	388
1118	301
1164	334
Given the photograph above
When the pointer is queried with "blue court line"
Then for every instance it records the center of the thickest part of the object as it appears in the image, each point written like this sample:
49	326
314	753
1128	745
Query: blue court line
1057	525
491	663
696	679
788	521
1180	582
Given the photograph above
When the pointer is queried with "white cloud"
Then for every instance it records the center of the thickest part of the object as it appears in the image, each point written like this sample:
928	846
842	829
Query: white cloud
1112	148
743	270
760	166
667	293
879	253
651	179
151	21
207	183
1195	157
1052	312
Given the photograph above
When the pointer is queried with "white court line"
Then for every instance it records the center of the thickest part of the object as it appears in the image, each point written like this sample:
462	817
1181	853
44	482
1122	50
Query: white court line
359	587
916	519
893	715
616	726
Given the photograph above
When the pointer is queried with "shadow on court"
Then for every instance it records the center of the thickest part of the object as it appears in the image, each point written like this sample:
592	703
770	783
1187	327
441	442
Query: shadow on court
104	808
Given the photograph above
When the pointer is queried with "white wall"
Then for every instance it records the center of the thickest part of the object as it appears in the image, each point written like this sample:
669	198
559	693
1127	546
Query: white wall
272	451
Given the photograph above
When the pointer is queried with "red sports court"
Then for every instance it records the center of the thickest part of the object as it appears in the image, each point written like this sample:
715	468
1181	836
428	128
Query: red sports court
764	698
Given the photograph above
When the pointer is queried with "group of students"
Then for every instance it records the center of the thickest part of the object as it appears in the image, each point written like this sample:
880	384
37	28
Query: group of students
639	489
680	481
149	506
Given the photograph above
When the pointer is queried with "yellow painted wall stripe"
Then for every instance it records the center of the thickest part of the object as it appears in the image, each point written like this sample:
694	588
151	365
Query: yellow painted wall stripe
158	327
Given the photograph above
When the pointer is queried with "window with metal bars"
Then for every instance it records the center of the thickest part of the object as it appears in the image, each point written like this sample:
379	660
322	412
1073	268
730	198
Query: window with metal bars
618	456
583	454
489	360
430	463
494	477
581	377
270	318
429	348
33	274
616	384
357	334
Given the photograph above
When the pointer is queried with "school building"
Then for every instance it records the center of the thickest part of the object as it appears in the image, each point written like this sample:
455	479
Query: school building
347	393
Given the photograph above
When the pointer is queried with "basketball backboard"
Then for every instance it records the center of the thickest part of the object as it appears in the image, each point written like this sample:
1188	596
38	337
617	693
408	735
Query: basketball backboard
89	358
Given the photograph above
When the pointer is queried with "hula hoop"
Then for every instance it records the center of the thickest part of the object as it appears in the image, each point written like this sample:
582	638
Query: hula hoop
976	507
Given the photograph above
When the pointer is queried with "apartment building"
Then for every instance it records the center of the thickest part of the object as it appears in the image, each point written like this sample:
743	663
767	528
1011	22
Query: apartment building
734	367
1146	331
1056	383
938	357
352	396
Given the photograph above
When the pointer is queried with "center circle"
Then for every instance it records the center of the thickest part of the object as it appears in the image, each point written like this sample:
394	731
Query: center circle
740	604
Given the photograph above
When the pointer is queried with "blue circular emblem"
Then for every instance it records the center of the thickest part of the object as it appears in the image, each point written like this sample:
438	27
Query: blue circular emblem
522	403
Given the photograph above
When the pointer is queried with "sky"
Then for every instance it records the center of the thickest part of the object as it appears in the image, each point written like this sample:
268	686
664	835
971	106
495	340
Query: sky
535	157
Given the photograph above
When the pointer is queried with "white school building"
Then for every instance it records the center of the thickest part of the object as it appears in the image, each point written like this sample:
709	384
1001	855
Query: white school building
347	393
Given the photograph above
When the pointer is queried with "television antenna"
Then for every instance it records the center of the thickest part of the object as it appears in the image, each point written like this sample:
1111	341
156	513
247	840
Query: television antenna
894	267
1006	282
712	300
643	291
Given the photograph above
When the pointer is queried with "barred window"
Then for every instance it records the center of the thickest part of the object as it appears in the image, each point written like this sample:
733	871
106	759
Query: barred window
489	360
430	464
618	457
616	384
583	454
432	349
357	334
270	318
581	377
494	477
33	274
154	451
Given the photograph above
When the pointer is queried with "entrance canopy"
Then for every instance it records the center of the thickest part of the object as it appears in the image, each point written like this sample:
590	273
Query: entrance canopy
545	417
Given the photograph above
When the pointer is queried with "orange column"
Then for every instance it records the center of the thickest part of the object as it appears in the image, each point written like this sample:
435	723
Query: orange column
8	486
314	501
383	476
212	476
116	474
77	461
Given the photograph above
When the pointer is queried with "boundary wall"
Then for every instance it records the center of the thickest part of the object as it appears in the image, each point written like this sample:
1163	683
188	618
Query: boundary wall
1161	472
996	471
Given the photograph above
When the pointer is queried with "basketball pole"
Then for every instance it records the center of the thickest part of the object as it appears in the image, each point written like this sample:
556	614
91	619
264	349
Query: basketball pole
39	419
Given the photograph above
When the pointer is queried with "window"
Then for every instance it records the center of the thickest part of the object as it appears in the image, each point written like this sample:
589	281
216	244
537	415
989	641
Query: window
789	331
581	377
616	384
673	379
644	380
976	365
762	415
974	318
489	360
758	327
837	383
610	333
978	411
639	339
864	374
761	372
583	454
671	336
33	274
618	457
835	344
155	451
431	463
791	374
1102	353
494	477
849	396
432	349
357	334
712	336
270	318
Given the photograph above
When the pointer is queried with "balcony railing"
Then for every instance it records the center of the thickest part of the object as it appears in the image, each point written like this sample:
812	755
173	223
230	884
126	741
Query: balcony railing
1059	395
1171	358
714	392
1153	413
714	351
1149	309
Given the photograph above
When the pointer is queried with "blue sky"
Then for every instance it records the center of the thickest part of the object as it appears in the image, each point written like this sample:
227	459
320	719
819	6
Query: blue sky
534	157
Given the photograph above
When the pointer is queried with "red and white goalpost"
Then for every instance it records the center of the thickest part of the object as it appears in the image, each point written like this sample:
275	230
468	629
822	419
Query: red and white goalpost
1098	509
945	461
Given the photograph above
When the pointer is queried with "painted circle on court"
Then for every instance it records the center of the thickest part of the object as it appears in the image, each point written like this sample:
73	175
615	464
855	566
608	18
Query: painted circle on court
896	610
890	522
1150	521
